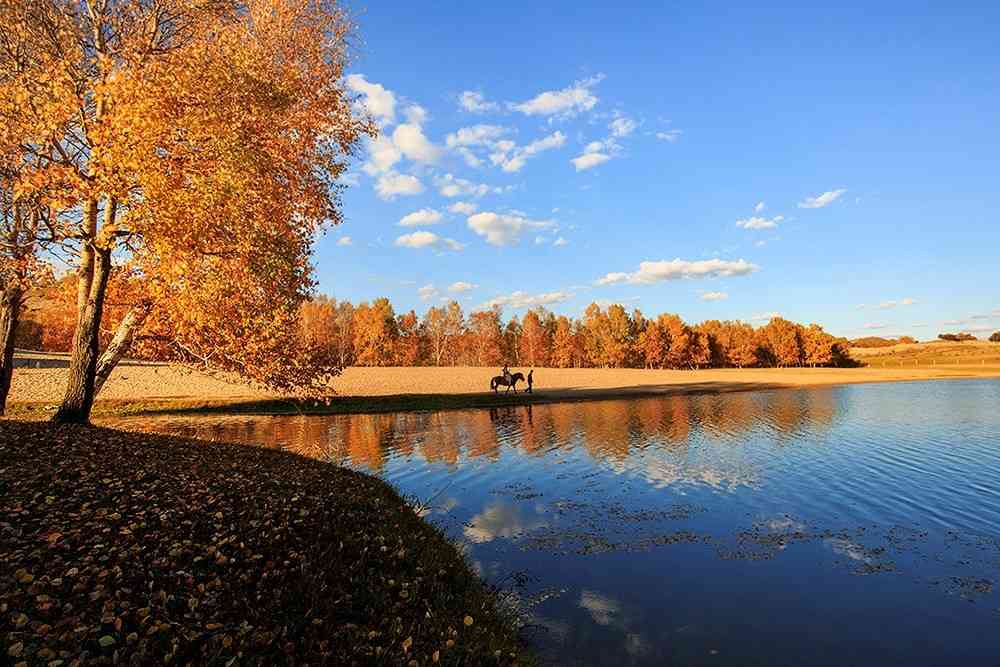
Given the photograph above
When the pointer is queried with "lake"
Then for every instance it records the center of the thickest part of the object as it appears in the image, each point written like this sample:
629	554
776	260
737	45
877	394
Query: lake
834	526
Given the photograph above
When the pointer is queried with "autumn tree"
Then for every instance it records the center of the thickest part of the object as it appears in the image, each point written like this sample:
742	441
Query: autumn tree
995	337
23	228
443	326
183	130
409	345
781	341
512	341
485	337
375	333
534	343
653	345
680	336
563	344
817	346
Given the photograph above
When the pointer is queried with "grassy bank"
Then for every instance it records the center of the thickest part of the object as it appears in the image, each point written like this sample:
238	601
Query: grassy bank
139	549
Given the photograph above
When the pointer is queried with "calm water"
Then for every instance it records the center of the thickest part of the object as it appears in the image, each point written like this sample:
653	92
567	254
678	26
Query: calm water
838	526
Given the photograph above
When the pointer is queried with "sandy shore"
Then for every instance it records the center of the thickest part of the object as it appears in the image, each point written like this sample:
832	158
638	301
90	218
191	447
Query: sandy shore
378	389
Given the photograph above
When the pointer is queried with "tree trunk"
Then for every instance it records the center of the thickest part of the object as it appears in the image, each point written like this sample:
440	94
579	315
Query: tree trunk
120	344
10	310
79	397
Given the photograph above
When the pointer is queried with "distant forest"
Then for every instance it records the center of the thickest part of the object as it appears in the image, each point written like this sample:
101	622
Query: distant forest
373	334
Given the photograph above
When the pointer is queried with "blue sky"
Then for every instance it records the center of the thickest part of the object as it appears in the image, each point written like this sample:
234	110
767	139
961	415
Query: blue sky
833	165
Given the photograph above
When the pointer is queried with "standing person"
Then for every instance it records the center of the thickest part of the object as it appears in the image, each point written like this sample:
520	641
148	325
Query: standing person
505	373
530	380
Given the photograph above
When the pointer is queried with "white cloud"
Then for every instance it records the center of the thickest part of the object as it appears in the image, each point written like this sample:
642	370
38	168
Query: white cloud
427	292
464	208
564	103
653	272
560	242
344	241
461	286
393	184
519	300
410	140
473	101
589	160
382	155
425	216
953	322
908	301
450	186
379	101
822	200
504	228
475	135
511	157
714	296
759	207
595	153
670	136
424	239
765	317
622	127
755	222
875	325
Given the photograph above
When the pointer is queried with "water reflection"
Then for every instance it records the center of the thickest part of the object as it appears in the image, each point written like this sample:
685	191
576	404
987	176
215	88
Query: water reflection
781	527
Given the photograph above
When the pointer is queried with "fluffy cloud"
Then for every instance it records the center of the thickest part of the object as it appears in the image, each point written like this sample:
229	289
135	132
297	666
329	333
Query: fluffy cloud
714	296
463	207
670	136
589	160
765	317
511	157
475	135
504	228
344	241
377	100
561	104
425	216
410	140
519	300
822	200
460	286
755	222
470	100
382	155
427	292
597	152
875	325
759	207
560	242
451	186
427	240
392	184
622	127
653	272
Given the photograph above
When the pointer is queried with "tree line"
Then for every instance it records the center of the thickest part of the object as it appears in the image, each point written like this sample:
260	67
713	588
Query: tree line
373	334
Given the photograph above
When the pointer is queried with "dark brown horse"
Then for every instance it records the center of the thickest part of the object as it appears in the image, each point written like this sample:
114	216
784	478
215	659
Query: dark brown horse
501	381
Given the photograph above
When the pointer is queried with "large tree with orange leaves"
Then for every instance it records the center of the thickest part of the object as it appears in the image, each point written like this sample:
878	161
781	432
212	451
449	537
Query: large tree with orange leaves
191	137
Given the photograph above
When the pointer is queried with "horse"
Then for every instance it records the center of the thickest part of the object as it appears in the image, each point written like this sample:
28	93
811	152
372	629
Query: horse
501	381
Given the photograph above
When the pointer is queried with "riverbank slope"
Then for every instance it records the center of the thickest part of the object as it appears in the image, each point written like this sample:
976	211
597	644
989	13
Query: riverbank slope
140	549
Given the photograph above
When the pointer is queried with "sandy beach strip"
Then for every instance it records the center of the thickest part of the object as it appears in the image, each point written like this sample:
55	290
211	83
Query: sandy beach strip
386	388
